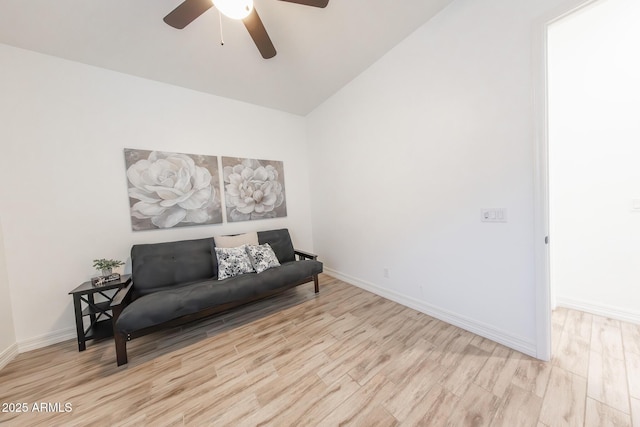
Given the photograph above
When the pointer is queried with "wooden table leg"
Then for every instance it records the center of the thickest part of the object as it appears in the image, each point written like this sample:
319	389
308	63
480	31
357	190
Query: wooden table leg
77	305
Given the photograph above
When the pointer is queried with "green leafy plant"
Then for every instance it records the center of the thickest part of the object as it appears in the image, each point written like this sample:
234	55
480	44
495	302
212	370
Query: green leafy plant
105	264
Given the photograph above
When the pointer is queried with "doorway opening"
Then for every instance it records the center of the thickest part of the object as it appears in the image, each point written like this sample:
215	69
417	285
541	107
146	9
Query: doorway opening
588	183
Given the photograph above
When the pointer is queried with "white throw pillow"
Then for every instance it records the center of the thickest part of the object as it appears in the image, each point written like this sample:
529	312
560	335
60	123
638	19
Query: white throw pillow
233	262
235	241
262	257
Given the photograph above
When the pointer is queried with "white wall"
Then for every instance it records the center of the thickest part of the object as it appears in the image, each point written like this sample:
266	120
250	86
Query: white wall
407	155
594	151
7	332
64	199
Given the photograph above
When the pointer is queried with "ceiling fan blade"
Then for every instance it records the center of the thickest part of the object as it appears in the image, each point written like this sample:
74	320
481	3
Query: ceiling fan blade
186	12
314	3
259	35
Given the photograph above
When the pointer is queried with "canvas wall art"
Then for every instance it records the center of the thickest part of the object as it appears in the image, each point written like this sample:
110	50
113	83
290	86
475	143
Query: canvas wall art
169	190
254	189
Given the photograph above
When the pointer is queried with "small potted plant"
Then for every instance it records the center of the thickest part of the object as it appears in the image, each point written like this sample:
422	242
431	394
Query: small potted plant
106	265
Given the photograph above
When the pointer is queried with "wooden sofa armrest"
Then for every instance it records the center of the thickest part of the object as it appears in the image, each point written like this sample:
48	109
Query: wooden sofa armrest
120	300
122	297
305	255
308	255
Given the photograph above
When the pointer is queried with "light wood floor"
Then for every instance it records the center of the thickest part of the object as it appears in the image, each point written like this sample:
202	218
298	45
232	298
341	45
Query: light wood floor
344	356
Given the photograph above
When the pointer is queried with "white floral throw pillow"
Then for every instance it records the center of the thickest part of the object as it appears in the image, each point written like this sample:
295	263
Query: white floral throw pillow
232	262
262	257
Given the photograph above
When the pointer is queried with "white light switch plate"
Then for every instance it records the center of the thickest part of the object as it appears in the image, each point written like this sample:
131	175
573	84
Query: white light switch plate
635	205
493	215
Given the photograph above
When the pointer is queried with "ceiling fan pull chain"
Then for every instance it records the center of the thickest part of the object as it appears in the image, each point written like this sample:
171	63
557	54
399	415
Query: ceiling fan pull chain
220	20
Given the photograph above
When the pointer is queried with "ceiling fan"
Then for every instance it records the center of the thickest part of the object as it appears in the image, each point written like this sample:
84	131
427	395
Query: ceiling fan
189	10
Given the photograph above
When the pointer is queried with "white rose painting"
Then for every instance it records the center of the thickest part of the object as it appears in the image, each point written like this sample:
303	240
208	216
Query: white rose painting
254	189
169	190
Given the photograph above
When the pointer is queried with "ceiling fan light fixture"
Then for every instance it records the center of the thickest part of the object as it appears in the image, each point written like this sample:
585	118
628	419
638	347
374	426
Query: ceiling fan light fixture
234	9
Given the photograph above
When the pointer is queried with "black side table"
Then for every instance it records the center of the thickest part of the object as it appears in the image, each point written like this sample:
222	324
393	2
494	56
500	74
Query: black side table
99	313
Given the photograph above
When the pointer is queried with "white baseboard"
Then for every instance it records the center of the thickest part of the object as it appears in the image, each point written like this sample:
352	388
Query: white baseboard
520	344
8	355
46	339
599	309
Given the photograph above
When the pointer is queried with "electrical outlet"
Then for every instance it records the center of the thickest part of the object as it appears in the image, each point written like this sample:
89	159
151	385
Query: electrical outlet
385	272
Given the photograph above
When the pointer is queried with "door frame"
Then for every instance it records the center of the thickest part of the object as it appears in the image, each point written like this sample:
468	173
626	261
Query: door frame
545	298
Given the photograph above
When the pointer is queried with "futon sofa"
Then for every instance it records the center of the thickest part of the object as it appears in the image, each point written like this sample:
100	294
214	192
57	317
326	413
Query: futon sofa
177	282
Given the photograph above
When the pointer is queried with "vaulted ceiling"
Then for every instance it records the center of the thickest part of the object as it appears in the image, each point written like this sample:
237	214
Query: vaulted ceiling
319	50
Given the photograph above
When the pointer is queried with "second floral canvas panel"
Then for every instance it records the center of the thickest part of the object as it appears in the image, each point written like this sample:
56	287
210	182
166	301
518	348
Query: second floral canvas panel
254	189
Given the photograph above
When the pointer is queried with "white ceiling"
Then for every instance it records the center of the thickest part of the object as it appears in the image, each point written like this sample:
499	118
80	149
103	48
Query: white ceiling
319	50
